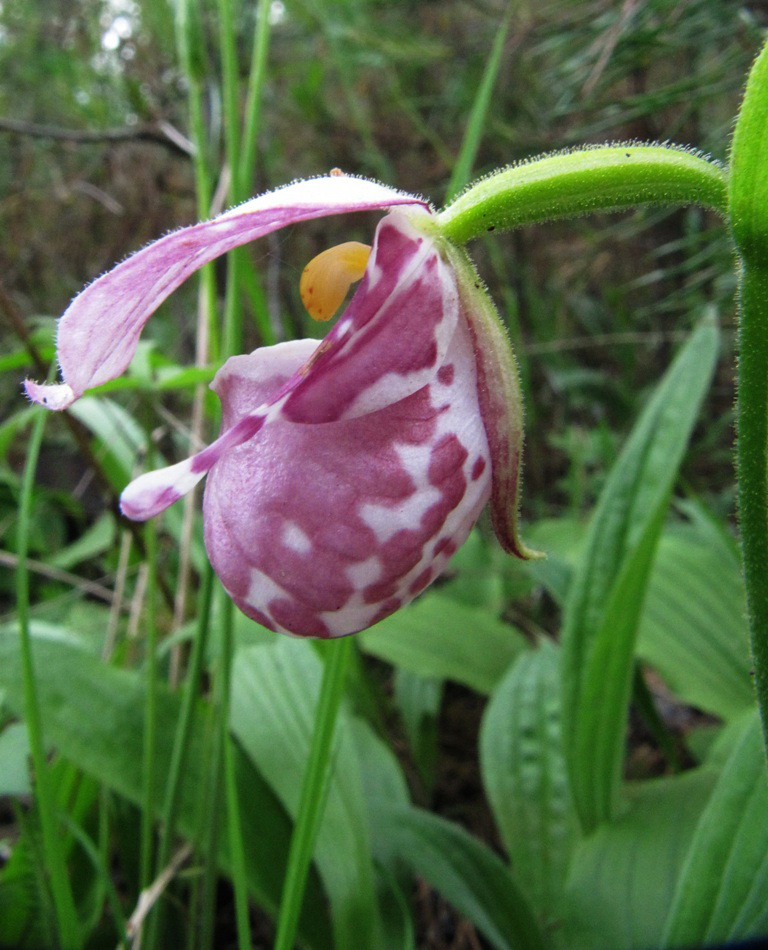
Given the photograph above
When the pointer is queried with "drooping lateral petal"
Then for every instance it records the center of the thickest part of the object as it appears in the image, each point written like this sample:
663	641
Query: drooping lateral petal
390	343
98	333
501	402
153	492
323	530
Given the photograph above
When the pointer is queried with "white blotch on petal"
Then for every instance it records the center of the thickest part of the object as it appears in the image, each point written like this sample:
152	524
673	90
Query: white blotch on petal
148	494
296	539
386	520
353	615
365	572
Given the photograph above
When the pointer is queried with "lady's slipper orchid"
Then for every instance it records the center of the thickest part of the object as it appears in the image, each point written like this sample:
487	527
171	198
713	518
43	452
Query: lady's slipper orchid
347	472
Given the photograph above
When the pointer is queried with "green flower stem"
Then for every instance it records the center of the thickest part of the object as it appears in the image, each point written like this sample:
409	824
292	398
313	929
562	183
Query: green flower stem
749	224
314	790
607	178
63	902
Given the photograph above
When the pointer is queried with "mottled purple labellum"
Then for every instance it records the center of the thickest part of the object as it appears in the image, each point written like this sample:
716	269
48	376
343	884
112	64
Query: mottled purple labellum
347	472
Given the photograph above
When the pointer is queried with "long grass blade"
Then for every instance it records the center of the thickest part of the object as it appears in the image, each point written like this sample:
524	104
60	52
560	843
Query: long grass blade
462	169
63	900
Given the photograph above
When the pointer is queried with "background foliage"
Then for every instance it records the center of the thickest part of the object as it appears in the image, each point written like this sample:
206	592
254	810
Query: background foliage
451	770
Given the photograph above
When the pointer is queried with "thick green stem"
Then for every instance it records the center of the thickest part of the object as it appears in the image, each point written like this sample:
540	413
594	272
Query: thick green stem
314	790
752	463
749	224
607	178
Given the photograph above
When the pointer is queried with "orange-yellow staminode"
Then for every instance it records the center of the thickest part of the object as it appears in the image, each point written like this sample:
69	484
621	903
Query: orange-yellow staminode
327	278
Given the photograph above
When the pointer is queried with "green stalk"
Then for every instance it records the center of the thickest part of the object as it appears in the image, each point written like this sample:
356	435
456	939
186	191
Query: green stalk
184	724
465	161
186	47
68	927
608	178
181	744
749	224
209	835
234	825
150	713
233	311
256	79
101	867
314	790
228	49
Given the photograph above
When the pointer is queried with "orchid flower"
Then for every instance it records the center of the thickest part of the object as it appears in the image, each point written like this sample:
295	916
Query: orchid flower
347	472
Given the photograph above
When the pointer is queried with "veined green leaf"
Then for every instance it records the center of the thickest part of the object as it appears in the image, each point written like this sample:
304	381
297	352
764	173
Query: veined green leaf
93	714
468	875
620	885
439	637
721	894
606	594
384	785
418	699
14	758
693	628
525	777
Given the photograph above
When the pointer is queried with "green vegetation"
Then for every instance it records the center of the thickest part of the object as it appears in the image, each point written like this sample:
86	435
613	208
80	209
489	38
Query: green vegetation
560	754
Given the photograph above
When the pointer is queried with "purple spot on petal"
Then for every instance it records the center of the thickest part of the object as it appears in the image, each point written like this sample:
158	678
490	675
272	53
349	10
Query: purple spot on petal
445	546
376	593
433	518
421	581
386	609
446	373
478	468
403	551
254	613
295	617
446	460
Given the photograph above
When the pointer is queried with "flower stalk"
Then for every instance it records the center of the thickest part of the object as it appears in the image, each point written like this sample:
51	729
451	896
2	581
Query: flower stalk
586	180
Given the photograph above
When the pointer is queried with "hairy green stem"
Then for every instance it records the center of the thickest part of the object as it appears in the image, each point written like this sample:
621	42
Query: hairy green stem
752	463
64	906
749	225
607	178
314	790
